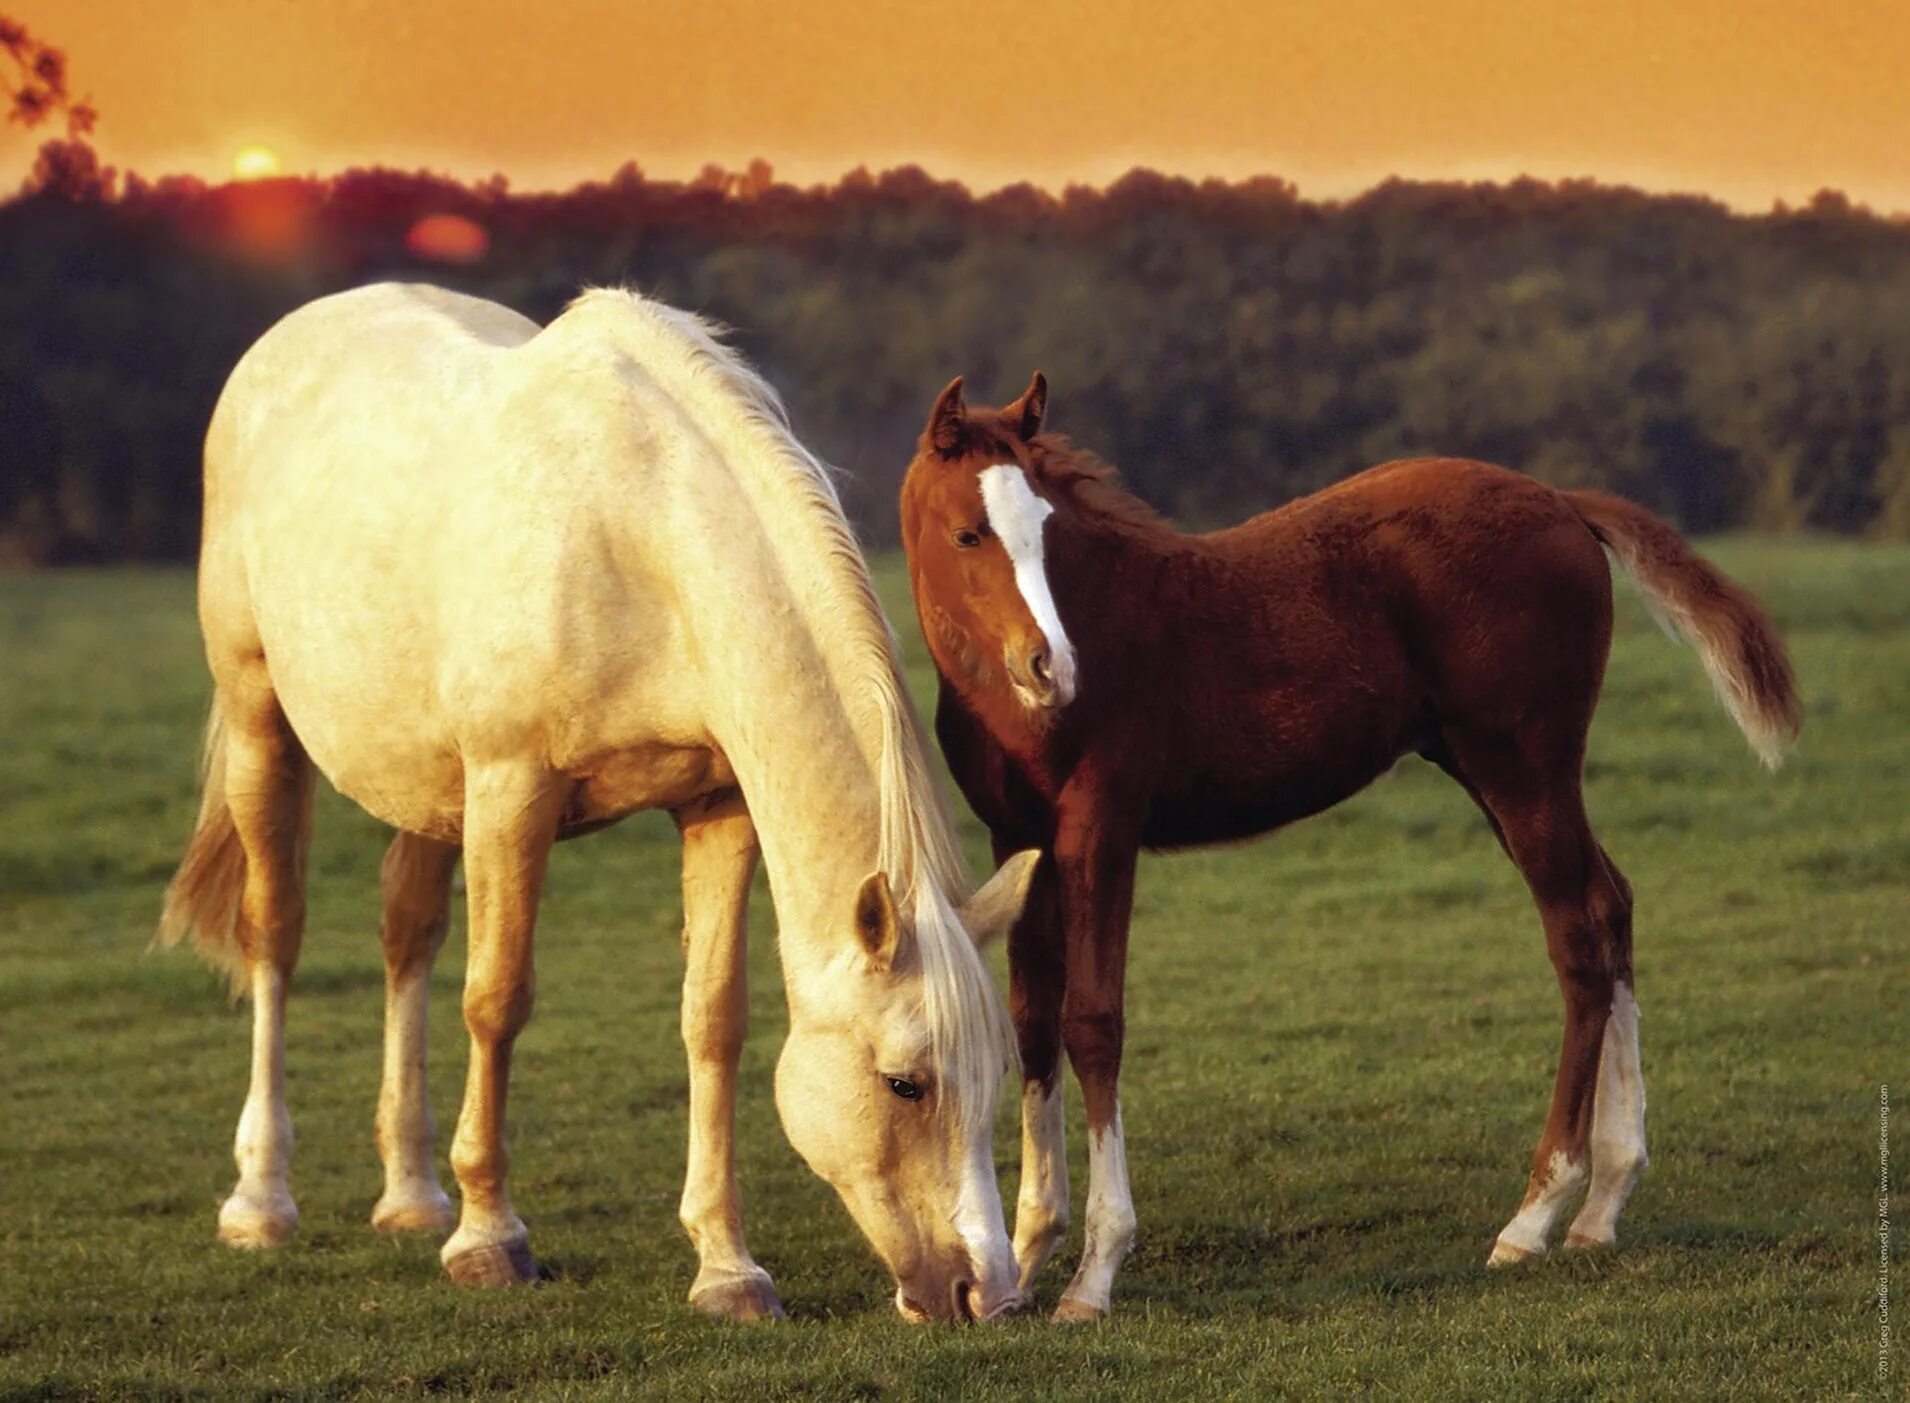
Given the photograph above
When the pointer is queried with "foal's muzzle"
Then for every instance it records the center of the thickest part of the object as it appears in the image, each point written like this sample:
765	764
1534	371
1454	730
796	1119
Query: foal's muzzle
1038	682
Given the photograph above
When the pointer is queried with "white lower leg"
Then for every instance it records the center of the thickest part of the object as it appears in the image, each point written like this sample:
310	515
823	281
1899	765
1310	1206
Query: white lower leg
260	1211
728	1280
1618	1127
1110	1225
413	1197
1529	1232
481	1160
1041	1209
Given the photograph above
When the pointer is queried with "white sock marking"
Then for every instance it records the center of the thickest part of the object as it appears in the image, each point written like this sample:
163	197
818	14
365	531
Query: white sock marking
1041	1209
1110	1229
1618	1124
1017	514
1528	1233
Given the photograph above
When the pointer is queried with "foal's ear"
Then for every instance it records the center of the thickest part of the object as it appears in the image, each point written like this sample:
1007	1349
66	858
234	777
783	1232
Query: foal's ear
878	924
992	912
948	421
1024	416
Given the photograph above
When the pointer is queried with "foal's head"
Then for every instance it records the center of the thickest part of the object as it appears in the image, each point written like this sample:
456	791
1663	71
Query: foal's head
973	515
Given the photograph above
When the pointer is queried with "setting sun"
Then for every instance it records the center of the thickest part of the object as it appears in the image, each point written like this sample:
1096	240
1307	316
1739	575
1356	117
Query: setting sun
255	163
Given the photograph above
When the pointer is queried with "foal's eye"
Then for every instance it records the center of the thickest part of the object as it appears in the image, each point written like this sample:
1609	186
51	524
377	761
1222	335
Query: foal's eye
967	538
904	1088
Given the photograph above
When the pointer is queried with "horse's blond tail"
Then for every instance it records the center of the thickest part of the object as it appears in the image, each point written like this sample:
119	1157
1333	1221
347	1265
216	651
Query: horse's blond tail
204	899
1722	620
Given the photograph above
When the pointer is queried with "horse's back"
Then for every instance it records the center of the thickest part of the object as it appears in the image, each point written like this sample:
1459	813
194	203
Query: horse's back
1365	617
410	504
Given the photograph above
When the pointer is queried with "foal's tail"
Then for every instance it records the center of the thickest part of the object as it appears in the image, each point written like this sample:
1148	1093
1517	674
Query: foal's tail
1724	622
204	898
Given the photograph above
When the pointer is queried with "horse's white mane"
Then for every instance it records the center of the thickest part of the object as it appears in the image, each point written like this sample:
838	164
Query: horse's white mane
916	848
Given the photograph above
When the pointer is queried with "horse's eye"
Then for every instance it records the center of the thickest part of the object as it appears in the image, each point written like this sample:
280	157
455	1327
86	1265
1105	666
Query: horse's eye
967	539
904	1088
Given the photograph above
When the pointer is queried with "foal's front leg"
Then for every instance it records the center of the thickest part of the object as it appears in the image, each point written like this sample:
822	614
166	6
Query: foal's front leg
1037	977
1096	863
719	857
510	822
415	883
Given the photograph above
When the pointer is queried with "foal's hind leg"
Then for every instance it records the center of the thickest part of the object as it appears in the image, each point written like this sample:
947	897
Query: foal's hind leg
416	886
268	783
1536	808
719	857
1618	1106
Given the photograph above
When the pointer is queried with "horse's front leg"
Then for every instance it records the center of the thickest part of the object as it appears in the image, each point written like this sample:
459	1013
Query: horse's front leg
415	884
719	857
1037	977
510	821
1095	858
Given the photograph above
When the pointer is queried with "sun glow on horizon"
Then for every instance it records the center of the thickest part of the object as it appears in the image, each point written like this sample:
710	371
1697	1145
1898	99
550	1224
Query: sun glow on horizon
255	163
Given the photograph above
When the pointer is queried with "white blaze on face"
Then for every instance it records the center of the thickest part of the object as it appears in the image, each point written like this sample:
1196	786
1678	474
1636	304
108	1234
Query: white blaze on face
978	1222
1017	514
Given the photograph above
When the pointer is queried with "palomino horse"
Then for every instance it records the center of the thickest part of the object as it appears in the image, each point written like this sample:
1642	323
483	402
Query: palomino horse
1109	683
504	586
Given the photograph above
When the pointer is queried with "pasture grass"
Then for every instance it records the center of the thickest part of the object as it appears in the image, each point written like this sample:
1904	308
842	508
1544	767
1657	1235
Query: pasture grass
1341	1044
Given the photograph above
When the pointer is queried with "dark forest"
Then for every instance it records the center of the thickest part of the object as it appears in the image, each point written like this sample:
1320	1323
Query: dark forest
1229	346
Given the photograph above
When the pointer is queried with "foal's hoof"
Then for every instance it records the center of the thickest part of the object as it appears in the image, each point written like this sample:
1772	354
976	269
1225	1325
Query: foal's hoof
739	1298
1078	1312
1507	1254
492	1264
423	1210
1585	1242
250	1223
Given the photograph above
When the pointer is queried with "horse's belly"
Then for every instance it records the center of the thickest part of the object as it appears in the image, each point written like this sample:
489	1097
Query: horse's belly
657	775
420	790
1305	761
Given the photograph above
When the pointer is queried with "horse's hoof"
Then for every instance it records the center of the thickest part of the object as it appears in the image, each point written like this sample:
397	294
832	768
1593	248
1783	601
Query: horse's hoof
493	1264
250	1223
1582	1242
1506	1254
418	1211
739	1298
1077	1312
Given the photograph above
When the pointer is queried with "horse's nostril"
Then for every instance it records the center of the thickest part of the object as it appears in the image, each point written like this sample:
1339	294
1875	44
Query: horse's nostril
1039	665
962	1296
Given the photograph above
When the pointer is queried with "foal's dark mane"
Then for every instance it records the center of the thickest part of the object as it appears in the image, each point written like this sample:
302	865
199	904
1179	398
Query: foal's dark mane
1093	485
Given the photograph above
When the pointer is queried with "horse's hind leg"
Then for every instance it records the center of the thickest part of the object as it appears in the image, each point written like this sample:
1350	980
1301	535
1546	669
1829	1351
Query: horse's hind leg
1618	1105
268	783
1585	906
719	856
415	884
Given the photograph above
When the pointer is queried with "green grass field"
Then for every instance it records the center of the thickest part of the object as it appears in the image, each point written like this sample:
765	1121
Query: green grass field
1341	1043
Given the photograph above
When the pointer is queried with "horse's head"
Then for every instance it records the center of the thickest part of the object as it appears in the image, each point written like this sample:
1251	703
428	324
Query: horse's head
903	1128
973	514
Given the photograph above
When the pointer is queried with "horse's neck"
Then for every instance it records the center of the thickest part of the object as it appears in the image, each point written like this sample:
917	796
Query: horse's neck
794	712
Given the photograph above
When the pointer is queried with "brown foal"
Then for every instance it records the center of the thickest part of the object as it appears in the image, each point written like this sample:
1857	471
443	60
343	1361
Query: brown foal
1109	683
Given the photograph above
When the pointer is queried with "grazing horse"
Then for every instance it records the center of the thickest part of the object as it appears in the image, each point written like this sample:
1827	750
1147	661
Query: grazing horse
504	586
1110	683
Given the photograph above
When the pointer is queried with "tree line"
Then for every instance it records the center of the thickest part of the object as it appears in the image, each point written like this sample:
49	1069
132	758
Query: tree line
1227	345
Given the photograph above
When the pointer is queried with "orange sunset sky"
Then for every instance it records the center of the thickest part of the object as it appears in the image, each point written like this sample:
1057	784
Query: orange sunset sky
1749	100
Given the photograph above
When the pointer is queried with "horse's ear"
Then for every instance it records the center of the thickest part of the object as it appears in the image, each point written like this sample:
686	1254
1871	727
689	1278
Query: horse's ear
948	421
992	912
878	924
1024	416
